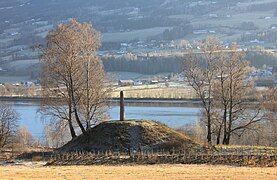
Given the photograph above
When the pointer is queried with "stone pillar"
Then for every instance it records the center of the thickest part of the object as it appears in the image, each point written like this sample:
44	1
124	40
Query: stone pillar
122	113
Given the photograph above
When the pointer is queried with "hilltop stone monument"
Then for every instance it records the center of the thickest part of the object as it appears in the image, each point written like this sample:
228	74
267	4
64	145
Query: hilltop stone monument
122	113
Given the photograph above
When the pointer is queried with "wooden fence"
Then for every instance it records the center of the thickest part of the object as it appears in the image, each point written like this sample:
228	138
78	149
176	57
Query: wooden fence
241	158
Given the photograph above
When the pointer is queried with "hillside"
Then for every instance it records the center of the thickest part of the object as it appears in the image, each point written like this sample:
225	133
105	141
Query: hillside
123	136
137	28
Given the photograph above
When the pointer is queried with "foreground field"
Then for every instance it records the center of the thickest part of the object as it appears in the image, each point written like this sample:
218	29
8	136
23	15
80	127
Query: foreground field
137	172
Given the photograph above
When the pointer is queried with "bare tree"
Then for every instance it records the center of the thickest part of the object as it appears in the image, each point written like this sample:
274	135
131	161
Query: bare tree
74	75
200	70
25	137
270	107
56	135
8	124
220	78
232	88
93	91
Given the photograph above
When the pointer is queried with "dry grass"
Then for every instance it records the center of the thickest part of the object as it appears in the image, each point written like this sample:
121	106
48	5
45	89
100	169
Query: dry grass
163	93
138	172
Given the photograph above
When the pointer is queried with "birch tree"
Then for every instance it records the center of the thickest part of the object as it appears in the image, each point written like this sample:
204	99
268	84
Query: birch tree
220	78
200	70
74	75
232	88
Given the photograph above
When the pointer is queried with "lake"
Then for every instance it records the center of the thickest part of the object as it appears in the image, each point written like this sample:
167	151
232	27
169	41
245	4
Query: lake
173	115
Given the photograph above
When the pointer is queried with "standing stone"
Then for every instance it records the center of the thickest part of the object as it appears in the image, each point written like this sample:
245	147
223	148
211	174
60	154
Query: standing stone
122	113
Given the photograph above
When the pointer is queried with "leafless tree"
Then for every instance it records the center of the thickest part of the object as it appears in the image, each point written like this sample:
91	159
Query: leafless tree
232	88
220	78
270	107
200	70
74	75
25	137
8	124
56	135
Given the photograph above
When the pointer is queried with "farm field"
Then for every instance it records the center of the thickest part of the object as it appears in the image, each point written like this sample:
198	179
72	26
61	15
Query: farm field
235	20
137	172
155	93
131	75
14	79
257	2
131	35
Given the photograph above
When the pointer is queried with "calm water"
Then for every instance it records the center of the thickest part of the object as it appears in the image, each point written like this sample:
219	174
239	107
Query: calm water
172	115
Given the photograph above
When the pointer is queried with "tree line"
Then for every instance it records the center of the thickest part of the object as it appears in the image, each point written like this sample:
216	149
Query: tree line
143	65
154	65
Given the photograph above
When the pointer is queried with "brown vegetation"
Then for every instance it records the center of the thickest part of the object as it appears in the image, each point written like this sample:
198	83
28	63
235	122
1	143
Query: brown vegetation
138	172
158	93
247	158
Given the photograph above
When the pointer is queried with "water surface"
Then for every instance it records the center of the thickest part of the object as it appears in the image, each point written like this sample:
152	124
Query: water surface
172	115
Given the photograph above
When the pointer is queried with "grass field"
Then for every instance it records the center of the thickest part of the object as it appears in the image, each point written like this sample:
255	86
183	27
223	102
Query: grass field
159	172
131	35
156	93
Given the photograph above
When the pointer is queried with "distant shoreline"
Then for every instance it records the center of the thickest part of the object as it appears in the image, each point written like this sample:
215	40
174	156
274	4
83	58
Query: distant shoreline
114	100
130	101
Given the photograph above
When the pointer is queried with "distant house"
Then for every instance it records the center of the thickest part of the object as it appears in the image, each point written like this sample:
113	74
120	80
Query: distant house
204	31
138	83
213	15
125	82
124	45
154	82
28	83
145	82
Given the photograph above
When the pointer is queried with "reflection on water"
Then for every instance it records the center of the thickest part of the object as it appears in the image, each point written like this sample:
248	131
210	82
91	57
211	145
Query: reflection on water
174	115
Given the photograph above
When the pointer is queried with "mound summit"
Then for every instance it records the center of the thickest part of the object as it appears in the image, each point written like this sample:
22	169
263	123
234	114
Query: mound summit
128	135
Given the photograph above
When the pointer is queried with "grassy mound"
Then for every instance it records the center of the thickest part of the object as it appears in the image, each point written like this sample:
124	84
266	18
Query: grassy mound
129	135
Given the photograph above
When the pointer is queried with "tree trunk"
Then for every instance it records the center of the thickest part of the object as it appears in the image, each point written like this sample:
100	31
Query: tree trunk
87	98
77	116
229	133
209	133
218	136
79	122
228	136
225	125
231	96
75	107
72	131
